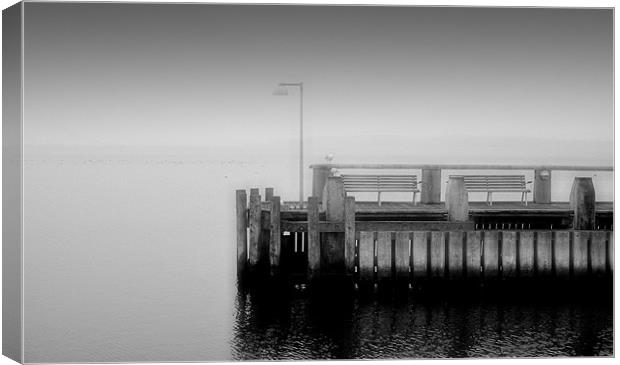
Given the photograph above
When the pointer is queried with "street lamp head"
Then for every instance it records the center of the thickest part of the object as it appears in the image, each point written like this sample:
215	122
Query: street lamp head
280	91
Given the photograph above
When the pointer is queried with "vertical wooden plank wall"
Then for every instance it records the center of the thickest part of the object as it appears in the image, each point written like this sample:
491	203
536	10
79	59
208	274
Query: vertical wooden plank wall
384	255
402	259
366	255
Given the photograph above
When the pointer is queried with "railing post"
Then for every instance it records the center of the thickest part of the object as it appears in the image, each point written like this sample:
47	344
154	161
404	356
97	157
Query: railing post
431	186
457	201
583	203
319	178
542	186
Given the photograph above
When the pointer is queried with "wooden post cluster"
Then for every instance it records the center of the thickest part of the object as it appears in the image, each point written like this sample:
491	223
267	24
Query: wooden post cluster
258	233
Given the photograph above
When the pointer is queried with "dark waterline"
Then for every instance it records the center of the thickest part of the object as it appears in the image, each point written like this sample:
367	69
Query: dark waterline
292	322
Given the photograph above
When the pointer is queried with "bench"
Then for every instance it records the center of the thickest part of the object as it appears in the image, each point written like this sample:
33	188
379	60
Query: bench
497	183
381	183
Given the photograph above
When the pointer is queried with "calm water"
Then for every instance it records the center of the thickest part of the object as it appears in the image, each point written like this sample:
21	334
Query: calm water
132	258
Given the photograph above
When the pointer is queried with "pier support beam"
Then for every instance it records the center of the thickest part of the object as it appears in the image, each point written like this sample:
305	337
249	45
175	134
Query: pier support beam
242	232
542	186
275	247
319	179
349	234
431	186
457	202
582	203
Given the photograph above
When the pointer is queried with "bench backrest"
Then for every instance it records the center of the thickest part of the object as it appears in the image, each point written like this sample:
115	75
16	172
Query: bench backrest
494	182
396	183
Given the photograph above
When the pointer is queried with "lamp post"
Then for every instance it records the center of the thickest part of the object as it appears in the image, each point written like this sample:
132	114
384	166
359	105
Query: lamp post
282	90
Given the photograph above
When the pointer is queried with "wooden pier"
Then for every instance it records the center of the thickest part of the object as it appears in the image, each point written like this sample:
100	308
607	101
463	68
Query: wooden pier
408	242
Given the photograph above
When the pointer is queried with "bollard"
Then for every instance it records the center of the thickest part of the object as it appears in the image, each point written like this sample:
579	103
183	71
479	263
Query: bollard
457	202
431	186
582	203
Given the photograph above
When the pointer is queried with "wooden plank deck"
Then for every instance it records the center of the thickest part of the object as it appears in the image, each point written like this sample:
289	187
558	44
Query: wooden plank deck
404	210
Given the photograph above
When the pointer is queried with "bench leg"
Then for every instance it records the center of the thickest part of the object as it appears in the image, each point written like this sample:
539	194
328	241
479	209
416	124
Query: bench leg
490	198
414	198
525	193
379	197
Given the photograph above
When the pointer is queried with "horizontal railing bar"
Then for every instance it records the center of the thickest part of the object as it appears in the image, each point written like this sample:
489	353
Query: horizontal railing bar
465	167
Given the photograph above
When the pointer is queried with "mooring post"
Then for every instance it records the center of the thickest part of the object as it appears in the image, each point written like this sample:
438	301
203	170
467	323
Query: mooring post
583	203
542	186
314	238
333	199
275	247
255	227
457	201
349	234
242	232
332	247
319	178
431	186
268	194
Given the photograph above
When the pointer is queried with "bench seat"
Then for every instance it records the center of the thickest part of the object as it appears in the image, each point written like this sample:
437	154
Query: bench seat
381	183
496	183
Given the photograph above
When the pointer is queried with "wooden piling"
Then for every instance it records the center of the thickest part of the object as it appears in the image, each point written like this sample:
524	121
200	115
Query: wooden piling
349	234
332	247
455	254
491	255
402	257
542	186
420	254
580	253
598	253
509	254
457	202
473	250
610	252
544	254
526	254
582	203
431	186
366	255
275	246
242	232
314	238
561	254
384	255
319	178
255	227
438	254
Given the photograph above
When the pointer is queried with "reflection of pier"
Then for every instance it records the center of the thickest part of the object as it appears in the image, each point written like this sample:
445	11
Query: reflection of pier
411	242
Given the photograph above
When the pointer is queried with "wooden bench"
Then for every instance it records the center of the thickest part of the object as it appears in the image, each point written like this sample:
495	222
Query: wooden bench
381	183
497	183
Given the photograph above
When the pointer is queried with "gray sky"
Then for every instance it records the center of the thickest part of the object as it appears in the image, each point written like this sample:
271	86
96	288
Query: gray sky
379	78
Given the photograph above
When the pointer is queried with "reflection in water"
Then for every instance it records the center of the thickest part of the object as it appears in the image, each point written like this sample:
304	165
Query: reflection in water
293	323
